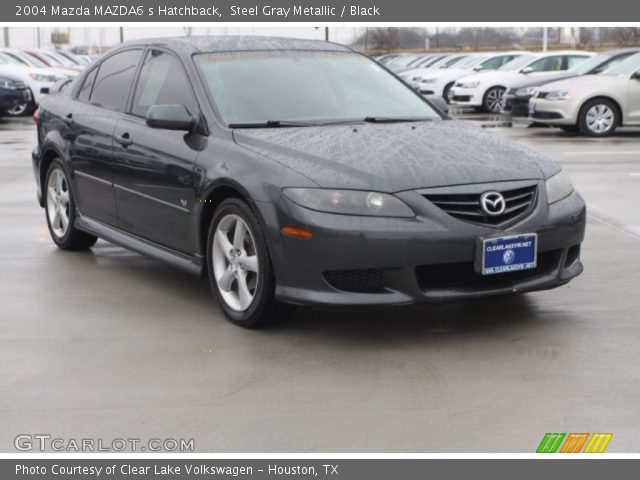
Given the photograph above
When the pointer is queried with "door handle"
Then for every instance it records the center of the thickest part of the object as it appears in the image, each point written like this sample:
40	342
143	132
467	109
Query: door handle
124	140
68	119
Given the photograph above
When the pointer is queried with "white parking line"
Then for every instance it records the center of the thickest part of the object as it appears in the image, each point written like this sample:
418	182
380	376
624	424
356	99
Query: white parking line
610	152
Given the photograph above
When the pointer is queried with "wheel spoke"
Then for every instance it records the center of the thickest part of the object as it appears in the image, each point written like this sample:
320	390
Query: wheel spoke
225	280
239	235
224	243
55	223
249	263
64	198
64	220
244	294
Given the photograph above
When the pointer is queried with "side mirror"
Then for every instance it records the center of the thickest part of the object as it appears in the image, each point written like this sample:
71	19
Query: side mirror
170	117
526	70
478	68
636	75
438	102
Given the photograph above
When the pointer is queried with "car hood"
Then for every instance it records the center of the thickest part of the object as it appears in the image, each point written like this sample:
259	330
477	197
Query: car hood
580	83
537	82
396	157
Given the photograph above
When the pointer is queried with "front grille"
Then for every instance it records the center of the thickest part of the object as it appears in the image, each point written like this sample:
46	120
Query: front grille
463	275
518	202
546	115
369	280
461	98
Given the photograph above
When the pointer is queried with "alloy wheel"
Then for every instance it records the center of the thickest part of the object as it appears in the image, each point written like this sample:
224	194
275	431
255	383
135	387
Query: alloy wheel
235	262
494	100
17	110
600	118
58	203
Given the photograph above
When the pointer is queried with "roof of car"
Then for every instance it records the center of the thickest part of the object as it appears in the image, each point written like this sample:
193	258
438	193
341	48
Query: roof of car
235	43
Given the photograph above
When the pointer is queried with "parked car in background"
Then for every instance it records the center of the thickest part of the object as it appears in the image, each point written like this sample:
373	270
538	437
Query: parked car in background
594	105
385	59
80	61
13	93
516	100
36	80
484	90
52	59
30	60
414	75
334	183
424	62
407	62
439	82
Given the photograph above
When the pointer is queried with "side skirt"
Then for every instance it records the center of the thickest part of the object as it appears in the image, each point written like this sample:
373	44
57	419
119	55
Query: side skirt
194	265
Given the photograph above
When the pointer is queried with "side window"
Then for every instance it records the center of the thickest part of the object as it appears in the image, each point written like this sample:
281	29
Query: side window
111	86
162	82
85	90
573	60
548	64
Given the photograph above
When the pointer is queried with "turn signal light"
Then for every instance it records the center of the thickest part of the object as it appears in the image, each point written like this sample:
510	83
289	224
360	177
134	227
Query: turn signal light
296	232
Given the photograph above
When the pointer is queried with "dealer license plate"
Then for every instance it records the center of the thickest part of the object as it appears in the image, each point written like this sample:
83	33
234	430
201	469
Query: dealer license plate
509	254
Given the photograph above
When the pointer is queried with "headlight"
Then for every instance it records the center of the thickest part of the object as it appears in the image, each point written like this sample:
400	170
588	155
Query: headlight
349	202
522	92
428	80
38	77
8	84
558	187
559	94
468	84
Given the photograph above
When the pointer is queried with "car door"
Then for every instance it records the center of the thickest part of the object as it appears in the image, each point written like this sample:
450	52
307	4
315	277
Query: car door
546	66
91	119
154	180
633	99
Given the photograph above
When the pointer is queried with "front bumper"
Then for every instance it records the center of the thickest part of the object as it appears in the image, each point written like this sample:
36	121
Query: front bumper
471	97
354	260
555	112
516	105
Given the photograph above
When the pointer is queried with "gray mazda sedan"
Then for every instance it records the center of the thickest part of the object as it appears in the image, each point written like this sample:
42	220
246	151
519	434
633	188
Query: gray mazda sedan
297	172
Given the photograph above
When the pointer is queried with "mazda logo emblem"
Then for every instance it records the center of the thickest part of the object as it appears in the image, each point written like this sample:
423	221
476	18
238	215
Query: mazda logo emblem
492	203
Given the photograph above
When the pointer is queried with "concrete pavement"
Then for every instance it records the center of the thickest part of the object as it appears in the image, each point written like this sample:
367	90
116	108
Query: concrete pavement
109	344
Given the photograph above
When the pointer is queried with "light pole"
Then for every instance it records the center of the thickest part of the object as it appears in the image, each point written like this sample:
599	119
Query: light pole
6	37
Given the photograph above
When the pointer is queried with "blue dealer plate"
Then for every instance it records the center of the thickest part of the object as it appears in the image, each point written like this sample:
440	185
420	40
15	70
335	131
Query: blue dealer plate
509	254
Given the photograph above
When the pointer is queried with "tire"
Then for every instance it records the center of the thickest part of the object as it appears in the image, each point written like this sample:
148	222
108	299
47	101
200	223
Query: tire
446	91
598	118
60	211
492	100
239	266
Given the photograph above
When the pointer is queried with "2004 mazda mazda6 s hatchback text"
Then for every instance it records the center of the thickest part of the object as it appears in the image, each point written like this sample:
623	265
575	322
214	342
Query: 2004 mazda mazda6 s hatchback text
297	172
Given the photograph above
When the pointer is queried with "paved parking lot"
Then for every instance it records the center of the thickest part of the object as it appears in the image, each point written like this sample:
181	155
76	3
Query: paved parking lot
109	344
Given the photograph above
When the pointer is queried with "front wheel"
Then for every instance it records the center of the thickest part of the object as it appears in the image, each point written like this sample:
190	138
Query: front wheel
239	266
598	118
20	110
60	208
492	100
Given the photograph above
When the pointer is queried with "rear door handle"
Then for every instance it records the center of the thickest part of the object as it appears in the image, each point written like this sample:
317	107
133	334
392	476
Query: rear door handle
68	119
124	140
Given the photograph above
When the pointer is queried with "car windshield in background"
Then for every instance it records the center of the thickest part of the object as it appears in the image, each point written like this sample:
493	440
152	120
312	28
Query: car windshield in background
453	61
472	62
311	86
517	63
627	67
589	64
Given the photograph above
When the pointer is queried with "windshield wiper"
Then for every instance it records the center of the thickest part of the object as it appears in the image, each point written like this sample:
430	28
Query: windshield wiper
395	119
274	124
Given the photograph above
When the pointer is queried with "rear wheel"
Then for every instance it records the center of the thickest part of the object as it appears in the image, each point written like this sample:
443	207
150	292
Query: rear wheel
492	100
59	205
239	266
598	118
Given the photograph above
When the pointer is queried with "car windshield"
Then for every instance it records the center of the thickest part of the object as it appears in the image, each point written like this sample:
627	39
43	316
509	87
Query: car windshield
306	86
472	62
517	63
27	59
8	59
453	61
64	61
403	61
627	67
